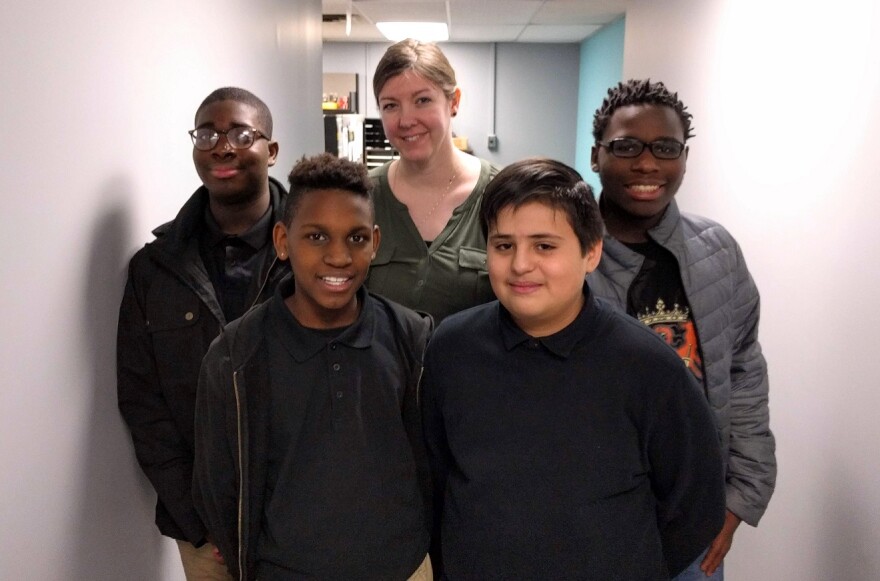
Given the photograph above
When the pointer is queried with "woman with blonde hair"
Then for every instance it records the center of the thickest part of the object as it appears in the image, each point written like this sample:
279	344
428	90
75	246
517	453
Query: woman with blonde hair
433	254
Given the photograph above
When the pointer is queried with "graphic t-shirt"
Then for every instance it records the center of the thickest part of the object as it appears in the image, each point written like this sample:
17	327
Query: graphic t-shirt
657	299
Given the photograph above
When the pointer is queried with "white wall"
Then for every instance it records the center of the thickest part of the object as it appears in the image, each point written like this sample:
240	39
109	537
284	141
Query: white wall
785	99
536	89
97	98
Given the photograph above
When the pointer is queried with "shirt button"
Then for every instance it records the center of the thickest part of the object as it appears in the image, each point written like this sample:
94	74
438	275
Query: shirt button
336	367
189	316
338	395
420	283
333	346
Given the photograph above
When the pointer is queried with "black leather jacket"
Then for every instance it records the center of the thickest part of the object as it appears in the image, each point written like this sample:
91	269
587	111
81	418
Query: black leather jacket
168	318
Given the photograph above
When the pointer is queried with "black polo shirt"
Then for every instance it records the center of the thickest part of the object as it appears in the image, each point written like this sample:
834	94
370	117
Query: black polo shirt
343	500
588	454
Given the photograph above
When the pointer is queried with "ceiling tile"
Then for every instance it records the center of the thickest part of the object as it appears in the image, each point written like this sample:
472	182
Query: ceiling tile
361	31
402	10
493	12
557	33
579	11
470	33
479	20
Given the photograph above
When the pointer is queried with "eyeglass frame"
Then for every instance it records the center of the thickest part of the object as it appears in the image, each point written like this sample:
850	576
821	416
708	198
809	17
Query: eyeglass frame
257	135
645	144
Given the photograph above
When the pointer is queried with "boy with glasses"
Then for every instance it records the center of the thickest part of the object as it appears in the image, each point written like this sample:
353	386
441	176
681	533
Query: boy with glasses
205	268
685	277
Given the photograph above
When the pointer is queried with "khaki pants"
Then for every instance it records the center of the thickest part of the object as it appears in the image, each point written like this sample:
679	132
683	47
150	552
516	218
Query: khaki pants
425	572
200	564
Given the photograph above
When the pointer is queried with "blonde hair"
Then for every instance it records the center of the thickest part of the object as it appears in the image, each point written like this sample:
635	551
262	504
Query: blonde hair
424	58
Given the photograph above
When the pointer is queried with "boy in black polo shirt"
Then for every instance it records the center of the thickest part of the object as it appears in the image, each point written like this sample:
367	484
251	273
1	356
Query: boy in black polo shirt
566	440
308	438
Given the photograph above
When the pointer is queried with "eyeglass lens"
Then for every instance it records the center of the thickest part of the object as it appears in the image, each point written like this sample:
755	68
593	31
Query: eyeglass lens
205	138
661	149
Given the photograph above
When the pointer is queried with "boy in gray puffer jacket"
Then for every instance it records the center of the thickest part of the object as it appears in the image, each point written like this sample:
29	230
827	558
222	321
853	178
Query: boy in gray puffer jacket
685	277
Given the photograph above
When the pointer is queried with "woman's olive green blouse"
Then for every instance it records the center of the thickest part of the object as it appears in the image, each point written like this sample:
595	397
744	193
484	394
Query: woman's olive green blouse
441	279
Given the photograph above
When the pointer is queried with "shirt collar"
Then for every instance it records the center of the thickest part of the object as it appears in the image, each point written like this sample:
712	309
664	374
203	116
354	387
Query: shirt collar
561	343
256	236
665	229
303	343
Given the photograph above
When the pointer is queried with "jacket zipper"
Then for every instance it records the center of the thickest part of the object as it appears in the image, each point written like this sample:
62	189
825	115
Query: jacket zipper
265	282
240	478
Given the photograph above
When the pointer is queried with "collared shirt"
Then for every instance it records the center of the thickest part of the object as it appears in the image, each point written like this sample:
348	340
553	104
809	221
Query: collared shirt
234	263
443	277
586	454
343	500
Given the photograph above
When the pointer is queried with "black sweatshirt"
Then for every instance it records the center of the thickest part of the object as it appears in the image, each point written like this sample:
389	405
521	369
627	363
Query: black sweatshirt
587	454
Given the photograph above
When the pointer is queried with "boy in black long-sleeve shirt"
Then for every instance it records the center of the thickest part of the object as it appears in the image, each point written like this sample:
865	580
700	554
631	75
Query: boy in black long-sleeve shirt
566	440
309	456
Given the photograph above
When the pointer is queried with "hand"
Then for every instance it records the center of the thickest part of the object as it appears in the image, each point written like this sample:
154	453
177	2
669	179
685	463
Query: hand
215	552
720	545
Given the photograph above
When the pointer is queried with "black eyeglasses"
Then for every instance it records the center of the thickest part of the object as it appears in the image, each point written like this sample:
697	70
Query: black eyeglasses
205	138
627	147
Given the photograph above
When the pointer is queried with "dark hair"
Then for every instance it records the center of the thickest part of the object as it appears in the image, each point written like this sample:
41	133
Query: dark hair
325	172
264	116
425	58
550	182
639	92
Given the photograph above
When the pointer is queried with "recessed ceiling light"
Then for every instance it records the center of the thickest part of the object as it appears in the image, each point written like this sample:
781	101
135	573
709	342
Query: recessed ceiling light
424	31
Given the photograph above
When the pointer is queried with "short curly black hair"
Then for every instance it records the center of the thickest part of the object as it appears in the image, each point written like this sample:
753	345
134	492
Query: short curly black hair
639	92
264	116
325	172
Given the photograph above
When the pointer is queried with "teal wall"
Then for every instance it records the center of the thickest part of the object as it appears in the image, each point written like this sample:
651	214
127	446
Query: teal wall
601	67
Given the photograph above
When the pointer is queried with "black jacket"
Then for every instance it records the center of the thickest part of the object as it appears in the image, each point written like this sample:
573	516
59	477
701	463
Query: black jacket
168	318
232	424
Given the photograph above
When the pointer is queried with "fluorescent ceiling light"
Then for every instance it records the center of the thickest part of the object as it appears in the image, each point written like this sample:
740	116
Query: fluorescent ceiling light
424	31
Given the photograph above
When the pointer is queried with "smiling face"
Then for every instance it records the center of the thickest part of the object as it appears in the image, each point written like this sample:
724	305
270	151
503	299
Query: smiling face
638	189
416	115
234	176
330	240
537	267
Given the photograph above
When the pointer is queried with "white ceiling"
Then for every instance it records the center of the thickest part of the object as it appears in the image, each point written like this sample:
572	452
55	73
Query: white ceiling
477	20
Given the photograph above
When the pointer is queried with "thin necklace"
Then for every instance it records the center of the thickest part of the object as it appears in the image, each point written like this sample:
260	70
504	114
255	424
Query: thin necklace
440	198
